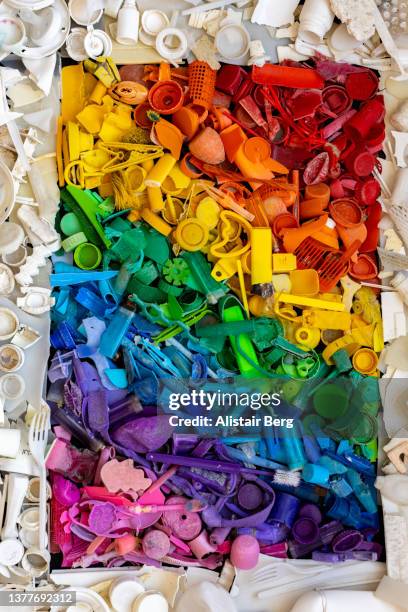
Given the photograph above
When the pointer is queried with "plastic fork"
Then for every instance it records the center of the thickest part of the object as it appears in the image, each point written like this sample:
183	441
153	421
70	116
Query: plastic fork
276	571
37	439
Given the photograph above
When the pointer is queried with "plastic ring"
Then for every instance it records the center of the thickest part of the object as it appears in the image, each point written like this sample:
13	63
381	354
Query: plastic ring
170	53
72	242
87	256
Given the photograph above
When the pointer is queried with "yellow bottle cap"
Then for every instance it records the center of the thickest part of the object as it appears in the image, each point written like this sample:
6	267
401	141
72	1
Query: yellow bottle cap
208	212
191	234
365	361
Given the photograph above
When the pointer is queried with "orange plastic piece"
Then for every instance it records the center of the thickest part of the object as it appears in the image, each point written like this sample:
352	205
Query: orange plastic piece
311	208
275	166
320	192
232	137
364	268
283	222
166	97
128	92
250	169
257	149
293	237
346	212
140	116
328	236
220	119
164	72
188	168
187	120
349	234
201	83
169	136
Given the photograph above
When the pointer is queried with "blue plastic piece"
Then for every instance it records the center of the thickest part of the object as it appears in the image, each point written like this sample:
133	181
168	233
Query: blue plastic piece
64	279
275	450
316	474
340	487
63	337
293	446
107	292
92	302
117	377
312	449
362	491
236	453
115	332
332	465
353	461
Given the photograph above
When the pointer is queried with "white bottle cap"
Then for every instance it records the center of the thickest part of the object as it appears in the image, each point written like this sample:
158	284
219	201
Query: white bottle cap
11	552
154	22
97	43
151	601
232	41
12	386
8	323
75	44
123	593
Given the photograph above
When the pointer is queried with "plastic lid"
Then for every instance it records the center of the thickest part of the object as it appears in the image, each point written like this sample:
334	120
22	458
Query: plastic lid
361	85
208	212
87	256
365	361
364	163
154	22
192	234
305	530
232	41
330	401
257	149
123	592
11	552
346	212
12	386
150	602
364	268
166	97
8	323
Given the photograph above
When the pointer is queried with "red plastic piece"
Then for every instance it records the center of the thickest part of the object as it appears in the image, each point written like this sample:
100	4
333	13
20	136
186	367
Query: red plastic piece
166	97
317	170
368	191
305	103
346	212
364	268
361	124
361	85
336	99
287	76
360	162
373	232
229	78
330	264
140	116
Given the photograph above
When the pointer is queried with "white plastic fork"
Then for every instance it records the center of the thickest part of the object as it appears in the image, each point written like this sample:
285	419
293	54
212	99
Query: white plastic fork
281	570
37	440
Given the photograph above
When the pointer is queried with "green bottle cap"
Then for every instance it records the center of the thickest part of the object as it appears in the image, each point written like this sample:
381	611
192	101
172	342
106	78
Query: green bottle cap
87	256
70	224
331	401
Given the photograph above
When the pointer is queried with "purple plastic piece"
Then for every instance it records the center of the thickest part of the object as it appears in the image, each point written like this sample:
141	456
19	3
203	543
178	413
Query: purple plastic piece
65	492
347	540
250	496
184	525
219	535
156	544
213	518
285	509
184	443
305	530
327	533
311	511
144	434
102	518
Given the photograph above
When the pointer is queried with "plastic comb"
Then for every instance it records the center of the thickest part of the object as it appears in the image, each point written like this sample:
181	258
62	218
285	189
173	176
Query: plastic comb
329	263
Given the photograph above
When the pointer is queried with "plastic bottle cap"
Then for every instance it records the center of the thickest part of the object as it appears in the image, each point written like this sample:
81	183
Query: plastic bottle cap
361	85
192	234
232	41
365	361
166	97
346	212
123	592
11	552
70	224
150	602
12	386
154	22
208	212
87	256
11	358
11	237
257	149
8	323
97	43
364	268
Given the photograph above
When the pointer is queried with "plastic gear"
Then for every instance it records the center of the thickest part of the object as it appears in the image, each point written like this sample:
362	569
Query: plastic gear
176	271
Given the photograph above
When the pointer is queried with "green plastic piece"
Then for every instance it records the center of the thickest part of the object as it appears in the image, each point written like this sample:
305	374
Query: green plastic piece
70	224
241	345
129	245
107	207
263	330
201	279
170	289
370	450
288	347
157	247
176	271
87	203
342	361
147	274
119	225
151	295
331	401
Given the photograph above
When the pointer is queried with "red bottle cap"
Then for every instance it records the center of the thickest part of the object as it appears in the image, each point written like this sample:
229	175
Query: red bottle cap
140	115
361	85
368	191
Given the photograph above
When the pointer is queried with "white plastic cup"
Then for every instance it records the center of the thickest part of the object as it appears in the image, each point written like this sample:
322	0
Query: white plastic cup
12	33
127	27
316	19
11	358
84	12
232	41
36	561
112	8
33	493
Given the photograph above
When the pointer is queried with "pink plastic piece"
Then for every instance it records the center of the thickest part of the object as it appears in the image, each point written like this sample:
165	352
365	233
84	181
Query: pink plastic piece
125	544
245	552
123	476
156	544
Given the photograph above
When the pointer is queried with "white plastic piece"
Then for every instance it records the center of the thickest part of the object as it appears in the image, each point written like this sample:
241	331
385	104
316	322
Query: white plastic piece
42	26
208	6
171	53
392	592
359	17
394	322
11	552
123	591
42	119
32	266
112	8
7	192
97	43
316	19
15	259
401	144
11	358
17	488
12	33
11	237
280	14
36	300
75	44
150	601
8	324
399	120
12	387
36	562
10	440
400	283
257	53
7	282
127	28
33	493
25	337
339	601
85	12
87	600
42	71
153	22
205	596
232	41
30	519
38	229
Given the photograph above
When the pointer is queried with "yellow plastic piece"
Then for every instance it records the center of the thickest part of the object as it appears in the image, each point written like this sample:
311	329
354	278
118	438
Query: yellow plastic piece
98	93
155	196
135	177
308	336
156	221
148	165
224	269
347	342
323	319
364	335
89	84
95	161
365	361
300	300
115	126
283	262
105	189
160	171
191	234
91	118
178	178
281	282
246	262
73	91
231	227
330	297
92	182
60	161
78	141
261	255
208	212
173	209
304	282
